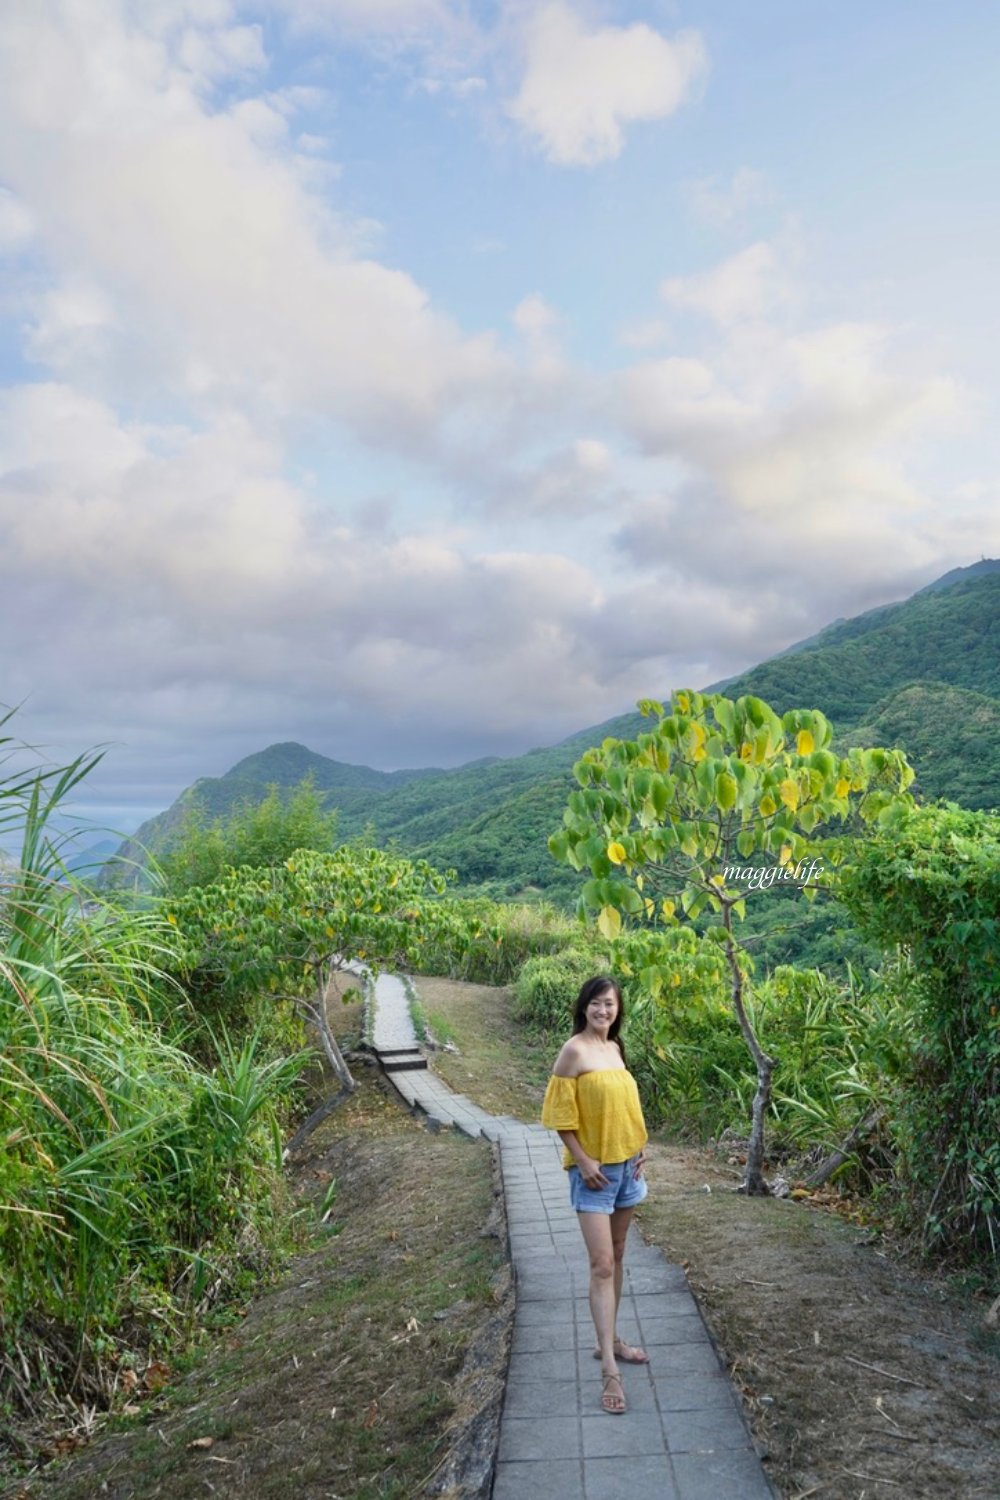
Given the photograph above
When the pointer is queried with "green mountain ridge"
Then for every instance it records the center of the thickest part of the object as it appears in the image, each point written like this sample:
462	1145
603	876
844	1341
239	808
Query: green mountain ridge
923	674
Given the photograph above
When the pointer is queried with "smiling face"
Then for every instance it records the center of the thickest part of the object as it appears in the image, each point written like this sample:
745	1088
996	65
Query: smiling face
602	1009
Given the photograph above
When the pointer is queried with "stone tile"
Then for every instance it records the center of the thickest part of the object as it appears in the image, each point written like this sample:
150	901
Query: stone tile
634	1432
675	1360
543	1337
700	1431
537	1286
640	1280
643	1478
673	1331
693	1393
701	1476
525	1438
541	1398
555	1364
543	1479
534	1314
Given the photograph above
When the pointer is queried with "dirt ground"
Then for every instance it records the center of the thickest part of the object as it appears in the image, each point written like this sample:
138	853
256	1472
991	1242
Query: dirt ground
862	1373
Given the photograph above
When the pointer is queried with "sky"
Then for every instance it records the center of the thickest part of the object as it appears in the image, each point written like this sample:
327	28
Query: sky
429	379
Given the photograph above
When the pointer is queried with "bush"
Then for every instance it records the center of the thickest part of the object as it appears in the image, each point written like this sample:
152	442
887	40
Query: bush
485	942
547	986
254	834
932	891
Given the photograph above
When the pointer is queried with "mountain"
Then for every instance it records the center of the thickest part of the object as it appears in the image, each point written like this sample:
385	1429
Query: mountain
923	674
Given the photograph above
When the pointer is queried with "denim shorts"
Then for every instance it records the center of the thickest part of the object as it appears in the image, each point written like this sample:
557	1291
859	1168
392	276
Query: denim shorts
624	1189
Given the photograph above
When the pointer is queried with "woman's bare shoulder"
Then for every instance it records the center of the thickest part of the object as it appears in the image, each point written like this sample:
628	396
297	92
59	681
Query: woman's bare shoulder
570	1060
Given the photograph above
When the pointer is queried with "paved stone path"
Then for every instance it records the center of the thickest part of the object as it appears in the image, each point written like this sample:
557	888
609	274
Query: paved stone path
683	1436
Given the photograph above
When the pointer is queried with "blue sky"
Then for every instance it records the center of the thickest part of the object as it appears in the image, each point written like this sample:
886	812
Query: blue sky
423	379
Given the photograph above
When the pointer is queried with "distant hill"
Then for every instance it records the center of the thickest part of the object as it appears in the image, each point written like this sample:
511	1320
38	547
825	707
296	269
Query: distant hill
923	674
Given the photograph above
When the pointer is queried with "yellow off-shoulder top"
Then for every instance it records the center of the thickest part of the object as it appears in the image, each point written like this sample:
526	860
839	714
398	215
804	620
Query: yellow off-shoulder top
603	1108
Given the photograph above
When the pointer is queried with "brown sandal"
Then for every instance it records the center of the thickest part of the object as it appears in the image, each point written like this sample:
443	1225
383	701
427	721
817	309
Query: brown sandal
607	1397
630	1354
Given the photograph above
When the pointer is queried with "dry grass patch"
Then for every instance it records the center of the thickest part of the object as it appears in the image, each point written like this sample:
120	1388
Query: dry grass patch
498	1063
861	1373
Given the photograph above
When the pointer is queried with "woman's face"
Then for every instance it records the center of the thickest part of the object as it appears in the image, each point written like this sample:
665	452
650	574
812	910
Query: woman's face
602	1009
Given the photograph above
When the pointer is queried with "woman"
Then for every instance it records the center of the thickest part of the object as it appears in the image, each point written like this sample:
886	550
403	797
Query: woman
593	1103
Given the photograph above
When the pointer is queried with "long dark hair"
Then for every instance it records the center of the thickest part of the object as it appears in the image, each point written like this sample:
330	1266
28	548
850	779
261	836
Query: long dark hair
590	991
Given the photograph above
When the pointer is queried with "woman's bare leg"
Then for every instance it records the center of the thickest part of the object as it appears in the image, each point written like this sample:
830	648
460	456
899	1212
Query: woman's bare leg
596	1230
619	1222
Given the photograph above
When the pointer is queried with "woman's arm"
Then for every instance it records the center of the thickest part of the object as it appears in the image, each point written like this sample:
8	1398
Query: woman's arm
590	1170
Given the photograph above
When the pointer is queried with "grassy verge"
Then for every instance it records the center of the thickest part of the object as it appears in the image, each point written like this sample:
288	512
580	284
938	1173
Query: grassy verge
498	1063
344	1378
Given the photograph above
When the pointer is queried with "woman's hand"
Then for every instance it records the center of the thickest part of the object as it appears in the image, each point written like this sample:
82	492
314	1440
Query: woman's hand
590	1171
640	1164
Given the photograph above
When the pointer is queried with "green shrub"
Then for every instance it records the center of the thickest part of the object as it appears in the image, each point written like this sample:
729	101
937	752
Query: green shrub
254	834
486	942
932	893
545	990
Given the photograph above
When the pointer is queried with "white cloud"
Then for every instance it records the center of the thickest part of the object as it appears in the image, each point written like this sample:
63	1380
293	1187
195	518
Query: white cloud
534	317
200	227
582	86
185	564
748	285
17	227
790	452
721	202
646	333
368	16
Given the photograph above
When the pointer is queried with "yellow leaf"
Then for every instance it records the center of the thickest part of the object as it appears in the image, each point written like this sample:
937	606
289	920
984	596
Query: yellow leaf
650	906
804	742
768	805
843	787
616	853
684	703
746	751
785	855
639	882
668	908
700	754
675	981
789	793
609	923
172	920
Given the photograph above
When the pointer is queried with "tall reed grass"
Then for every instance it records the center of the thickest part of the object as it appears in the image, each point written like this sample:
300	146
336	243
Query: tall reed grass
135	1185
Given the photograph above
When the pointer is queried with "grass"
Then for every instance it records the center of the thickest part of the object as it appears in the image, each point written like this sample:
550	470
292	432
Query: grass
498	1063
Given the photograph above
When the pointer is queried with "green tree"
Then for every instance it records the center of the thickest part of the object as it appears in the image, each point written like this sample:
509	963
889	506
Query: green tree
254	834
284	931
719	799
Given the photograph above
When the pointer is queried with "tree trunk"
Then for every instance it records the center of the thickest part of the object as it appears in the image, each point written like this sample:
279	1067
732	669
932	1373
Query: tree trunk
316	1118
317	1010
753	1183
829	1165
